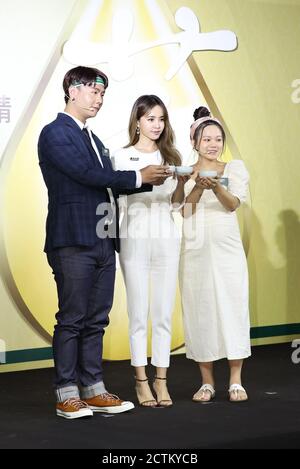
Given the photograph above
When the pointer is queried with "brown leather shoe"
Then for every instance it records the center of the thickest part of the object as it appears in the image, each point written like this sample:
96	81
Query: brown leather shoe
109	403
73	408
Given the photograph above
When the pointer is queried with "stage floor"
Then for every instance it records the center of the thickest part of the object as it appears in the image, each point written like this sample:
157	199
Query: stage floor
270	419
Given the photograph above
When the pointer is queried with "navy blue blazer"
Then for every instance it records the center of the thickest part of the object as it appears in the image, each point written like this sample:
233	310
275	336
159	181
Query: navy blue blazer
77	184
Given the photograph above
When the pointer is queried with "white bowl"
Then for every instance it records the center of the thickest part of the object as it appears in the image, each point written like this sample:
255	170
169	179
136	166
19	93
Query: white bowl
183	170
208	174
224	181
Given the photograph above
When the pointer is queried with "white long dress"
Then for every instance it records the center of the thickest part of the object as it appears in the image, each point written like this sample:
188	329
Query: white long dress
149	257
213	276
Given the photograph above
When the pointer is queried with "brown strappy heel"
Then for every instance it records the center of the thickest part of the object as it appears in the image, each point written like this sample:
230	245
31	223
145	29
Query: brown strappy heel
148	402
162	402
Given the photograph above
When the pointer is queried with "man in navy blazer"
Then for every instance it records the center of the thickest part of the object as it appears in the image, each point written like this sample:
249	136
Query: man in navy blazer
81	239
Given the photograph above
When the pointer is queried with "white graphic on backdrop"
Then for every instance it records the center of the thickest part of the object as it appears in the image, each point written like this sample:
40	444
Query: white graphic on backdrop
295	96
2	351
119	52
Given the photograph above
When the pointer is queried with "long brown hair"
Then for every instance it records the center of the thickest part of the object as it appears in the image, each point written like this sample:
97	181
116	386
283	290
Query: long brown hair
166	140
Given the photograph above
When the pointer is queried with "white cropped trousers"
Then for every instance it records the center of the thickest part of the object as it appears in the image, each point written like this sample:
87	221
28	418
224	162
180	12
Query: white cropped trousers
150	269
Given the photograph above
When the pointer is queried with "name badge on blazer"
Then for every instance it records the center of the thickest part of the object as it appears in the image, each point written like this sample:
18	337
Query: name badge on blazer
134	158
105	152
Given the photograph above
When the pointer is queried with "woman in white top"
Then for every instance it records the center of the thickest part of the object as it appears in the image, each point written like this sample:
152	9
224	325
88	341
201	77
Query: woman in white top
213	267
150	246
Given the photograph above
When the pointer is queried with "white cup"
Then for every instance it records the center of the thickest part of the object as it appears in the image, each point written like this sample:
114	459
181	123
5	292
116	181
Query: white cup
208	174
183	170
223	180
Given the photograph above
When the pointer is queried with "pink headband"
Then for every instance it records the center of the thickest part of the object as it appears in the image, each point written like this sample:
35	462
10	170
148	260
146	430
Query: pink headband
197	122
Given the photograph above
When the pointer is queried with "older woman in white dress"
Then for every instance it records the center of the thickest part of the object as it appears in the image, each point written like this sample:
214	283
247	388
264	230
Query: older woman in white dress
213	268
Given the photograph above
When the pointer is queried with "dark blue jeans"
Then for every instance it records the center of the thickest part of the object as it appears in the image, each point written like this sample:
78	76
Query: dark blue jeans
85	279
